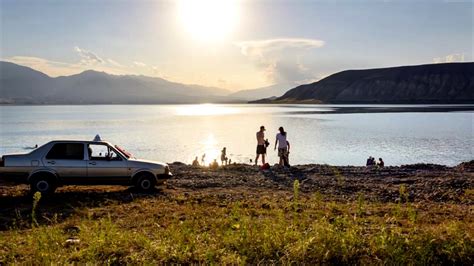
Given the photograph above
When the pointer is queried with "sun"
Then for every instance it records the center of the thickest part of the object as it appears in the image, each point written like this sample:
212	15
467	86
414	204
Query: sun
208	20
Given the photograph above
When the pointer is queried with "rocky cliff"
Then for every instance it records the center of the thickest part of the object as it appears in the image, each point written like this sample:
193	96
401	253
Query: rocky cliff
435	83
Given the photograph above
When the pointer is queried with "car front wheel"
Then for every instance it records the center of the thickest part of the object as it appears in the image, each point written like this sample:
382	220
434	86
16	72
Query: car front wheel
146	183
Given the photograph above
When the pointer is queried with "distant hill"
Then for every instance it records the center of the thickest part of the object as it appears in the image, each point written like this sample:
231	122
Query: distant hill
23	85
264	92
434	83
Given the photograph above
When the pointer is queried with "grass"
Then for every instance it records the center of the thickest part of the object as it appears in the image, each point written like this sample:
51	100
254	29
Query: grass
256	227
36	199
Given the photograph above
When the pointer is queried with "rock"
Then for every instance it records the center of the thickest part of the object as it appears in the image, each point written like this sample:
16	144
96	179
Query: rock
177	164
72	230
466	166
72	242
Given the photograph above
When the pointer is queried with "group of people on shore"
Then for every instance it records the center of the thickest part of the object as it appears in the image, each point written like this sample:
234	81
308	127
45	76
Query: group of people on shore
283	145
371	162
214	164
281	142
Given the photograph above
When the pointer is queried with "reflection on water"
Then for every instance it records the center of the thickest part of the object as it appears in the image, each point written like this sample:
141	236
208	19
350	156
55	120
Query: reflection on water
210	149
182	132
205	109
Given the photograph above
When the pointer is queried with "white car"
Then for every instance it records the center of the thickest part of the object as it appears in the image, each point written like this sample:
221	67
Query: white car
72	162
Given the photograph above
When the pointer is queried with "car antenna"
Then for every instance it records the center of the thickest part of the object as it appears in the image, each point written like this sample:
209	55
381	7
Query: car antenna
97	138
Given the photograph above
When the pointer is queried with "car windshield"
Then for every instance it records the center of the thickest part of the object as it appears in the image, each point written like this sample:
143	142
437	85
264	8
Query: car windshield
124	152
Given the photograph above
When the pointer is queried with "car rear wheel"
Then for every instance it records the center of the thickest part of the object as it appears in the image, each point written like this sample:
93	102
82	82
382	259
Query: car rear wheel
146	182
43	184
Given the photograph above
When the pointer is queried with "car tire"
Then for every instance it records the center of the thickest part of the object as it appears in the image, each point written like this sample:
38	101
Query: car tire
43	184
145	182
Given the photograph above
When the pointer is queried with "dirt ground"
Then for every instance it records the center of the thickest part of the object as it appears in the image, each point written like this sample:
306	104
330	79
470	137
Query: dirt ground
422	183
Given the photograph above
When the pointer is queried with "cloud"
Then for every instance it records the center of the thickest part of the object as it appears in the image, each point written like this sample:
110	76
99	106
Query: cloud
281	60
49	67
449	58
88	60
56	68
114	63
88	57
139	64
259	47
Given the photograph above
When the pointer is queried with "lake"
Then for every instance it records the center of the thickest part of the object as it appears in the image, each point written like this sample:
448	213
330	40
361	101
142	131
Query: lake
180	132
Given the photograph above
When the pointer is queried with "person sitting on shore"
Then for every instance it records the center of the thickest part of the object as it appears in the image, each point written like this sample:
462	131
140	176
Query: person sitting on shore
214	165
196	162
380	163
370	161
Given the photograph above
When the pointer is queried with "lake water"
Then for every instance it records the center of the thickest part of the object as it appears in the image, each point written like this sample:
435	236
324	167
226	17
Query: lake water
180	132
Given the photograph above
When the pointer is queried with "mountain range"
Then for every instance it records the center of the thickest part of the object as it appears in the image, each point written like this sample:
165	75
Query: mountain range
24	85
433	83
19	84
263	92
422	84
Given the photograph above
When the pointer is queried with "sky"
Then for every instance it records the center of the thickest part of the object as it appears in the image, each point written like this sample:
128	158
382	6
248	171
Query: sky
233	44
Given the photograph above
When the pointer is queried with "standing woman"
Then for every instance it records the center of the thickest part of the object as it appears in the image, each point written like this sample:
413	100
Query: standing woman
282	146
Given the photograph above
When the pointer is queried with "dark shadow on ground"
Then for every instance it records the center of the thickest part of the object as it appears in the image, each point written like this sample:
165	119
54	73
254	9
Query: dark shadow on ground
16	211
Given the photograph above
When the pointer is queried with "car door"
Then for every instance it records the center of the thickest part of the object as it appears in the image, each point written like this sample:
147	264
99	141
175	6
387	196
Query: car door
106	166
67	160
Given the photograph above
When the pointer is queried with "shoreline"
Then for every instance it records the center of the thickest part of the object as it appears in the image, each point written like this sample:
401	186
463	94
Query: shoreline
424	182
331	108
391	109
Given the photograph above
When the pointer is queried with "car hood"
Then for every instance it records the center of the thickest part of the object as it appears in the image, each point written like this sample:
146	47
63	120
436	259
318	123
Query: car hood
145	163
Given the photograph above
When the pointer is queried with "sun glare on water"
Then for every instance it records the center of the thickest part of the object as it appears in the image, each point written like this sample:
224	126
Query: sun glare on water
205	110
208	20
211	150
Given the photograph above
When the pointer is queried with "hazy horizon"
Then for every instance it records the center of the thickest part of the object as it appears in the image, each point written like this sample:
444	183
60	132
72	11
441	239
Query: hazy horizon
232	44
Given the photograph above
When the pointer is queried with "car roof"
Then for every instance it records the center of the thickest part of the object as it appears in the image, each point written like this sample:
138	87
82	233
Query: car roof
81	141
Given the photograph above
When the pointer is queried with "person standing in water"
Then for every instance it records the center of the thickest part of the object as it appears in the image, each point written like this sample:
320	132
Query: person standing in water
261	149
282	146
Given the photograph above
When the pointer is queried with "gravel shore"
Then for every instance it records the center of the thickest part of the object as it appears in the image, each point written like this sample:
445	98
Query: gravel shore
422	182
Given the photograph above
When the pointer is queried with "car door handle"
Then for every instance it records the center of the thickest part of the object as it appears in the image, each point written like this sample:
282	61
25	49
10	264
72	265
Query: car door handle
51	162
92	163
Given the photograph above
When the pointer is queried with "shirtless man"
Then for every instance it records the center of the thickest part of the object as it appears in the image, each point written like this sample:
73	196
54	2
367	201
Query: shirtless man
261	149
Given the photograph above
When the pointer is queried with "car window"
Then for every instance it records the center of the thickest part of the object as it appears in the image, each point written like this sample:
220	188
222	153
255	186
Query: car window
102	152
66	151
